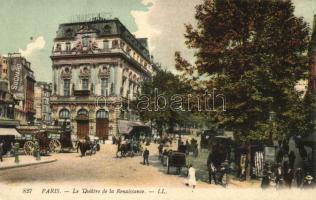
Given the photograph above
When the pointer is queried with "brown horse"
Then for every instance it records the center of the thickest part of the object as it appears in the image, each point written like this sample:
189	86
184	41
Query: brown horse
84	146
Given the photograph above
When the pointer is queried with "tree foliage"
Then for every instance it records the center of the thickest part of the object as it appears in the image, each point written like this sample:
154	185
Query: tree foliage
255	52
162	91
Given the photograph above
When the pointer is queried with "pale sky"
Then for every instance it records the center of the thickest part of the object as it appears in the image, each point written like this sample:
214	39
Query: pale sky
162	21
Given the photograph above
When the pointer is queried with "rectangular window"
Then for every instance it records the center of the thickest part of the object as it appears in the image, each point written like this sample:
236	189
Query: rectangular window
67	87
85	84
104	87
68	48
115	44
106	44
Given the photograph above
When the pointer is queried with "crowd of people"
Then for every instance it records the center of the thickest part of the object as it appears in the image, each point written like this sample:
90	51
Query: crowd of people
284	176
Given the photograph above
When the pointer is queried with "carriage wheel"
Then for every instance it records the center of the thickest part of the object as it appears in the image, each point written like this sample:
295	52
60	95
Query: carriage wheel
29	148
54	146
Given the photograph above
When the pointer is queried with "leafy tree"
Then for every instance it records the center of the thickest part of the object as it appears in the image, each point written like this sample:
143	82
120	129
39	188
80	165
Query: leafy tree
157	101
254	52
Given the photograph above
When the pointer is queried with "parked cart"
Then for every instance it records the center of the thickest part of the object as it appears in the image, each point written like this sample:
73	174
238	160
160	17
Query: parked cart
177	160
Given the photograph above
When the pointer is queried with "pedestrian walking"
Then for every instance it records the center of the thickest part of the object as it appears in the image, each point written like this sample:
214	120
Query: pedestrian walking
160	150
292	158
182	148
146	156
191	180
212	173
279	174
113	140
187	146
265	182
1	150
299	177
243	166
119	142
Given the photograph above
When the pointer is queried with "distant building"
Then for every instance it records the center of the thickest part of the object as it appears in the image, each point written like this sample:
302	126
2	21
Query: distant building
21	85
42	94
7	121
97	65
7	102
3	68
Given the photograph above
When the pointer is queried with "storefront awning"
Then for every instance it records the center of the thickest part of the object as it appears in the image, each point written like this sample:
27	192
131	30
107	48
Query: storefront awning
125	126
9	131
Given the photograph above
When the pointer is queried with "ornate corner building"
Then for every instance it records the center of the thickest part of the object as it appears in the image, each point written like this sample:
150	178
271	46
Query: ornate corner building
97	66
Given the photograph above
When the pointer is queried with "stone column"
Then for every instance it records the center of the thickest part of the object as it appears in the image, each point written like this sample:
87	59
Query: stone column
126	87
111	78
116	116
118	79
131	90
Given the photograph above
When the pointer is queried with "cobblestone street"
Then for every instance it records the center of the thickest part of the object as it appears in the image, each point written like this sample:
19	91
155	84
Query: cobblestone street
103	168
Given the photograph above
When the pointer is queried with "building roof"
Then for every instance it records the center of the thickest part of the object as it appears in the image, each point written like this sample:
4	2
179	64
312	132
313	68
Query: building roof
9	131
102	28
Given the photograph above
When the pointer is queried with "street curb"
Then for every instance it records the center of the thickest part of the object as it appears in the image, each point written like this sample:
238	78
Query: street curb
26	165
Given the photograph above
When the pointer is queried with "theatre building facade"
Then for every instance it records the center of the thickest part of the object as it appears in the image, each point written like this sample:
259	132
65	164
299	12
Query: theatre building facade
97	66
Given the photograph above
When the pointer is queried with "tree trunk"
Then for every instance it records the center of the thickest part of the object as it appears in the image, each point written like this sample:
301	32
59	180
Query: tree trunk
248	169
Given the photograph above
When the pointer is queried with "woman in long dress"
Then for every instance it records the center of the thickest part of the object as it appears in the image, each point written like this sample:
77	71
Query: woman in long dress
191	181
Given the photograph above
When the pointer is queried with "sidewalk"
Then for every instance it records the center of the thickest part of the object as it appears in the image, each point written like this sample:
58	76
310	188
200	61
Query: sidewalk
8	162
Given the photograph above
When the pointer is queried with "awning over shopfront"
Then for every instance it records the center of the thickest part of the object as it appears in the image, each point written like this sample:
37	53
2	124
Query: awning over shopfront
132	129
9	131
125	126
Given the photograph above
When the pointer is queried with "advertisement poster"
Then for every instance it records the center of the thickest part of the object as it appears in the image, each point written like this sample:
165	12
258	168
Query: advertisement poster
16	77
157	99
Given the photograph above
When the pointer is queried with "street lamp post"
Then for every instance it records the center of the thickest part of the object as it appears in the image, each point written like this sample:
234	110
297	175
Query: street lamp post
271	120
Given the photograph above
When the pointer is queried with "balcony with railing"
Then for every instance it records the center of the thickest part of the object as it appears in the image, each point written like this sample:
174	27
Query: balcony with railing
98	51
84	99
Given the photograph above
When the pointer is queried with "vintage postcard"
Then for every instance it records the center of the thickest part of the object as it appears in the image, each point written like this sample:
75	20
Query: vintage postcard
158	99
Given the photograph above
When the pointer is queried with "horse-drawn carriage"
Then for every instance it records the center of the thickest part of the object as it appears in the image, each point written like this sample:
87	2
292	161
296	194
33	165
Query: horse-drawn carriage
176	159
89	145
129	148
48	142
52	139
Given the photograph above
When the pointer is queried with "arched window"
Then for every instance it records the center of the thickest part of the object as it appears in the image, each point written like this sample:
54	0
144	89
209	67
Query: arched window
83	112
64	114
85	41
102	114
107	29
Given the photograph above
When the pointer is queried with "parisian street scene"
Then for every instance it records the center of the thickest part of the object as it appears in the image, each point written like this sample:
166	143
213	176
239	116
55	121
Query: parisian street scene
203	94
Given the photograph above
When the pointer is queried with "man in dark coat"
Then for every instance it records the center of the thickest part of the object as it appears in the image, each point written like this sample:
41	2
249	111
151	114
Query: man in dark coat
160	150
187	146
182	148
299	176
1	149
146	156
119	142
292	159
265	182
